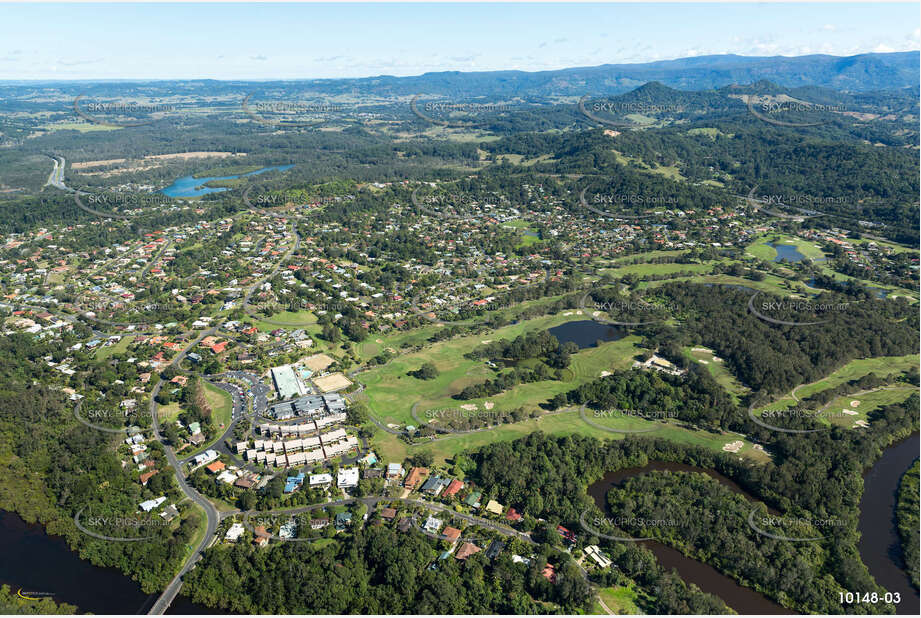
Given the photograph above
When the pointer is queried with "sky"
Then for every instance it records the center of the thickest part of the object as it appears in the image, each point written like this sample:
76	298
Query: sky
302	41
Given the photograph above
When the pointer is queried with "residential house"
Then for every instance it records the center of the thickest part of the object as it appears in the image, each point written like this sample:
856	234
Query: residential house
466	550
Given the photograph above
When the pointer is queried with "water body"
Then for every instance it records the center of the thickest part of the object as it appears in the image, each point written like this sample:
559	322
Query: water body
190	186
880	545
586	333
36	561
786	252
742	600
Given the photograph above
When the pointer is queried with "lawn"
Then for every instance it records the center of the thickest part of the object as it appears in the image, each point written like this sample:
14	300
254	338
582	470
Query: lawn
221	404
391	448
719	372
641	270
391	392
868	403
620	599
762	250
880	365
107	351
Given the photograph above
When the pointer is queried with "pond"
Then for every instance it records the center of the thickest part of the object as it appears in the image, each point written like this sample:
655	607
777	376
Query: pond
786	252
586	333
190	186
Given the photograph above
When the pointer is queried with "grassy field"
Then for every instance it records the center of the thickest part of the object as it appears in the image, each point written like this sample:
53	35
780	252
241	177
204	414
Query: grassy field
880	365
762	250
657	269
620	599
221	404
391	392
390	448
868	402
107	351
719	372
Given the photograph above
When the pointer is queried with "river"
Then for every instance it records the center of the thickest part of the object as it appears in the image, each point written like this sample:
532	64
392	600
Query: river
39	562
742	600
880	546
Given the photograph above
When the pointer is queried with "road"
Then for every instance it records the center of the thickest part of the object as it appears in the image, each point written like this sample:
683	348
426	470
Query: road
56	178
214	517
163	602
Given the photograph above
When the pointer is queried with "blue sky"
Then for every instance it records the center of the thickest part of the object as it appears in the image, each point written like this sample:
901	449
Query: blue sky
290	41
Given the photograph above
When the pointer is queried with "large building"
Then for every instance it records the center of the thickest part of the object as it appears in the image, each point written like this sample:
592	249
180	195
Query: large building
287	383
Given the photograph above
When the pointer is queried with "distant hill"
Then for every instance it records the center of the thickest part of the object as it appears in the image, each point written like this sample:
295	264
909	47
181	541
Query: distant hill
864	72
860	73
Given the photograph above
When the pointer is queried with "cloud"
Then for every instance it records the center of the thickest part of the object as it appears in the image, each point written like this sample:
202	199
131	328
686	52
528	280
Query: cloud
829	27
882	48
260	58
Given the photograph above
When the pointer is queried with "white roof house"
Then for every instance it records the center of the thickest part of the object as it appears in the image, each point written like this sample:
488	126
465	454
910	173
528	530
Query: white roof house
234	532
320	480
149	505
348	477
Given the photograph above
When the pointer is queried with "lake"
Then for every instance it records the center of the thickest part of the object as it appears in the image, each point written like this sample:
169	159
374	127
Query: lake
39	562
786	252
742	600
880	545
586	333
190	186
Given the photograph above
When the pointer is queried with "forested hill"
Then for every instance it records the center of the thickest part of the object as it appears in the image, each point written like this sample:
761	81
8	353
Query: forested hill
860	73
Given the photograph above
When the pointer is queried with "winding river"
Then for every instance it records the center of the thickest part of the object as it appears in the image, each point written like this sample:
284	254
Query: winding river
742	600
880	546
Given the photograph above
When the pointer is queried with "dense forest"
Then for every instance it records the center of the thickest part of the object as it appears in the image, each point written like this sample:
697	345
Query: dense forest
816	476
379	571
53	468
907	515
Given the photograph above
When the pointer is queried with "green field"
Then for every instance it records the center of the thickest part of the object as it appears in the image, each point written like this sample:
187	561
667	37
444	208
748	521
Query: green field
880	366
221	405
761	250
719	372
391	448
391	392
620	599
107	351
868	402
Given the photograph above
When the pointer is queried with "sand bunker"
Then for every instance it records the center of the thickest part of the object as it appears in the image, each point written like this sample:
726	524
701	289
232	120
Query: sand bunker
469	406
734	447
855	403
849	412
